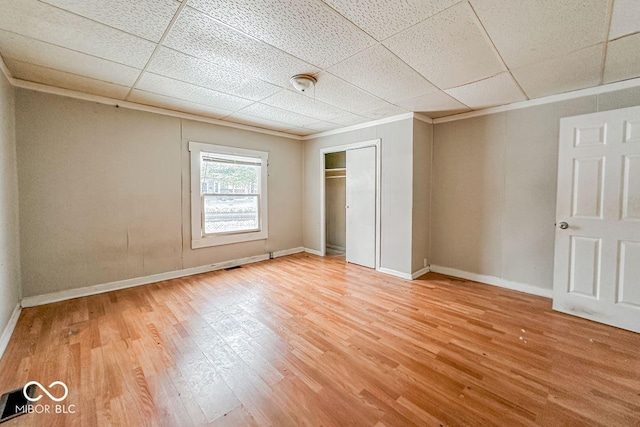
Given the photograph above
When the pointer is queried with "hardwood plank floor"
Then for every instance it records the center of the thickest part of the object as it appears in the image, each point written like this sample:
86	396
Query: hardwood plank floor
304	340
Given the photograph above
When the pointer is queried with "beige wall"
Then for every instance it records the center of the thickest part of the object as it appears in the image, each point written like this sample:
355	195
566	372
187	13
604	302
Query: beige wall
421	215
104	192
9	236
396	189
494	189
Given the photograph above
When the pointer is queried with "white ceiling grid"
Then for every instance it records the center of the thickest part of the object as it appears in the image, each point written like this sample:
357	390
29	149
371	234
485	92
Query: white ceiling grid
232	59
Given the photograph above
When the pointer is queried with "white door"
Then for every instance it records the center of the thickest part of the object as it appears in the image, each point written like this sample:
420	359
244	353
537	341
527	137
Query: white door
597	249
361	206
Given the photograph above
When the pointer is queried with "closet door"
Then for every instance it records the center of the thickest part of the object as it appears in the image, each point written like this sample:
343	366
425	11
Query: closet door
361	206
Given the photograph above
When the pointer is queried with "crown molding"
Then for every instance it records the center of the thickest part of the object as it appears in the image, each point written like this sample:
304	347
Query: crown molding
423	118
597	90
365	125
6	72
38	87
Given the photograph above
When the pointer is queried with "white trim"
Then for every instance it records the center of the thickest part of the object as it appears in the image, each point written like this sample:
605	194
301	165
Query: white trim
597	90
391	272
38	87
313	252
422	118
8	330
6	72
420	272
494	281
278	254
198	240
138	281
402	275
377	143
403	116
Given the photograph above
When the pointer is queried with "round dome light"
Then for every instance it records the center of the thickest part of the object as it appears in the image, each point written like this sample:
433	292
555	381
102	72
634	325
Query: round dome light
303	82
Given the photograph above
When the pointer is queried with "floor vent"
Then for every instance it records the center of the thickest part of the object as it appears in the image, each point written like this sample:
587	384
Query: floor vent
14	403
232	268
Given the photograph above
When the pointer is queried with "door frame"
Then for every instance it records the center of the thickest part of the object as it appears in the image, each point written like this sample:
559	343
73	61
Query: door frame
337	148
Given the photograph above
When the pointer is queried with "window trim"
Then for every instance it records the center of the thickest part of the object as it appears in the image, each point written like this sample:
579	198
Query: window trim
198	238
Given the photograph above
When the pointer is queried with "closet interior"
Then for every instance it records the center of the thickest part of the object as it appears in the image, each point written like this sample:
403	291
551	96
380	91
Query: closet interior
335	203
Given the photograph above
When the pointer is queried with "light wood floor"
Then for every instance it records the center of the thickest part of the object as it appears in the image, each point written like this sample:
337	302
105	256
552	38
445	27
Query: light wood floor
304	340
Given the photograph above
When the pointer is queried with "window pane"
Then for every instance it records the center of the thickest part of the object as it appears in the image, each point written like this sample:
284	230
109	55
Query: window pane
229	178
223	214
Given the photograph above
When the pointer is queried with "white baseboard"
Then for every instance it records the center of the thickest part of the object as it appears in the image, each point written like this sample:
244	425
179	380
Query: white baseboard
336	248
420	272
286	252
391	272
495	281
313	251
8	330
402	275
129	283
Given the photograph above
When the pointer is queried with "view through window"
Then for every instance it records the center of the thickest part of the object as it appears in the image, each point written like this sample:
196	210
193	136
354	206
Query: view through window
230	188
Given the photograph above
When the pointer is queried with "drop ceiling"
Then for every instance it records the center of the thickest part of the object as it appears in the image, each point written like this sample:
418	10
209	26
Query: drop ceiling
232	59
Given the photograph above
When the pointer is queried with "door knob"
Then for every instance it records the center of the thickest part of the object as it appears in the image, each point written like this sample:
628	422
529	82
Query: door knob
563	225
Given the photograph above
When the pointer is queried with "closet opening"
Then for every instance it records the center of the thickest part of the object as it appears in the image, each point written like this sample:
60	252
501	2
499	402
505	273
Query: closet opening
350	202
335	174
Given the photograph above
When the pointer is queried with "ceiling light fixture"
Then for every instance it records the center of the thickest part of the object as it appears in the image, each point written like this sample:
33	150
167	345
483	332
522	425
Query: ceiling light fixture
303	82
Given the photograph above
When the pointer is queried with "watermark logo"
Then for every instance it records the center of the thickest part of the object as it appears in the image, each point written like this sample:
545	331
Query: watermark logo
45	391
53	392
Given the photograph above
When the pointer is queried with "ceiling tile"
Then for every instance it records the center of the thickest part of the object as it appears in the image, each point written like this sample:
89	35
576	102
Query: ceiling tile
337	92
34	73
322	126
144	18
40	21
350	120
307	29
576	70
625	19
25	49
381	73
180	66
449	49
246	119
181	90
526	32
153	99
623	59
436	104
383	112
277	114
384	18
496	90
201	36
307	105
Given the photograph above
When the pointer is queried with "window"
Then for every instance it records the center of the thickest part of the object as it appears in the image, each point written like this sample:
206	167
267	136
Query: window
228	195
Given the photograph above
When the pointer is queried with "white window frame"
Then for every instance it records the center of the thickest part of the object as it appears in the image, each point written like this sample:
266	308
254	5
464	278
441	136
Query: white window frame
198	238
